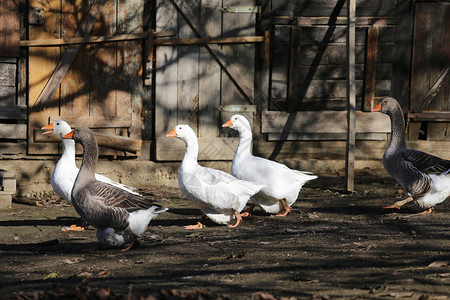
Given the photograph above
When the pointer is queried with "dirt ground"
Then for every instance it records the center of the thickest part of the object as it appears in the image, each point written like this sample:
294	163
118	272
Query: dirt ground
332	245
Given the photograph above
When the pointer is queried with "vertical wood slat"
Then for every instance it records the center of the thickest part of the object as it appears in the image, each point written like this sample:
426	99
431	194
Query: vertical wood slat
9	27
166	72
74	98
371	66
294	63
209	73
187	75
351	98
129	88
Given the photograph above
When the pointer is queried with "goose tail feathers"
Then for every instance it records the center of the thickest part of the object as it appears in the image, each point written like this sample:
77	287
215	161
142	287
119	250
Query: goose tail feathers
139	220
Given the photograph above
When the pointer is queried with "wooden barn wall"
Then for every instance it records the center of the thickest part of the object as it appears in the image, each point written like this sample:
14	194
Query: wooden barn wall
190	86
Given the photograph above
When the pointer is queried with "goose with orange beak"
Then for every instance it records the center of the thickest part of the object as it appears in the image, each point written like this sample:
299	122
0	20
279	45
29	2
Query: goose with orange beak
282	184
119	216
220	196
424	177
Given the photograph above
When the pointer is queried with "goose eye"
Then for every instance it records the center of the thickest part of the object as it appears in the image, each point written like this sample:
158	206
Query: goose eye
235	118
180	128
57	124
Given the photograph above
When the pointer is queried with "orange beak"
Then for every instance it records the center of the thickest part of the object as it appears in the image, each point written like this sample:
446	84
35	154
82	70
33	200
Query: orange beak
48	127
227	124
377	108
69	135
173	133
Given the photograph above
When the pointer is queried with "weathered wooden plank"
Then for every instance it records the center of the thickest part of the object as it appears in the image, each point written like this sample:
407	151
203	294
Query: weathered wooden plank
323	122
12	150
7	96
294	78
360	136
166	73
209	149
326	89
68	57
74	88
331	56
129	68
198	41
429	96
430	117
327	72
187	73
8	74
13	131
15	112
94	122
209	73
10	26
367	21
325	8
351	97
371	65
316	34
104	140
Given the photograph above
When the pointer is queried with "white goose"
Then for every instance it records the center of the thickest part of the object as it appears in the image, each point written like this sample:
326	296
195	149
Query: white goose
220	196
66	171
282	183
119	216
425	178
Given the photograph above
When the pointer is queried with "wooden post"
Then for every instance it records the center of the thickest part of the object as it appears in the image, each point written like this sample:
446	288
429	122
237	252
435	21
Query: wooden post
371	65
351	97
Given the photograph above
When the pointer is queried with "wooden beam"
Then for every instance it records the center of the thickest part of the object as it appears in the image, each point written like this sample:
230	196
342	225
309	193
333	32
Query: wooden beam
429	96
13	131
68	57
104	140
226	40
342	21
241	83
94	122
323	122
371	66
93	39
294	63
429	117
17	112
351	97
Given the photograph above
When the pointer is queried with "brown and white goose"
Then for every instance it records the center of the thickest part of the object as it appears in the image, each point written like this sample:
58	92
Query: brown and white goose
424	177
118	215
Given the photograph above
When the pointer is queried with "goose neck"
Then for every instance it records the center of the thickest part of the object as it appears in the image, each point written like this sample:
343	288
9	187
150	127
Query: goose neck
191	153
245	141
397	131
68	150
89	163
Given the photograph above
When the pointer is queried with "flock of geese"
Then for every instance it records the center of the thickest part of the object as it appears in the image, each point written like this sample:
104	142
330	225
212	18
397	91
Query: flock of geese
121	215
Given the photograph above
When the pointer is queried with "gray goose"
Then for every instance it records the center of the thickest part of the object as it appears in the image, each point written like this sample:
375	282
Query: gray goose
424	177
119	216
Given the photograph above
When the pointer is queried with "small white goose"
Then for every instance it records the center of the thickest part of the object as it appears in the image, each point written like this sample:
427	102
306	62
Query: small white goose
282	183
220	196
425	178
66	171
118	215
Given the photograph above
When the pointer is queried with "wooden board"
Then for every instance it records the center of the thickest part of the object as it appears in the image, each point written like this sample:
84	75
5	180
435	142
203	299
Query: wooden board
323	122
209	149
8	74
13	131
9	26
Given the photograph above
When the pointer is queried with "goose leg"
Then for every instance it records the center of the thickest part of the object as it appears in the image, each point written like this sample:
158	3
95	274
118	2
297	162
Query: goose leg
248	211
286	209
398	204
426	211
199	224
238	219
134	242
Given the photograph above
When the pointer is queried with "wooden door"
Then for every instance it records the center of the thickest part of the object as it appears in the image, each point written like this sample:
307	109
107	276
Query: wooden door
430	59
202	85
103	87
